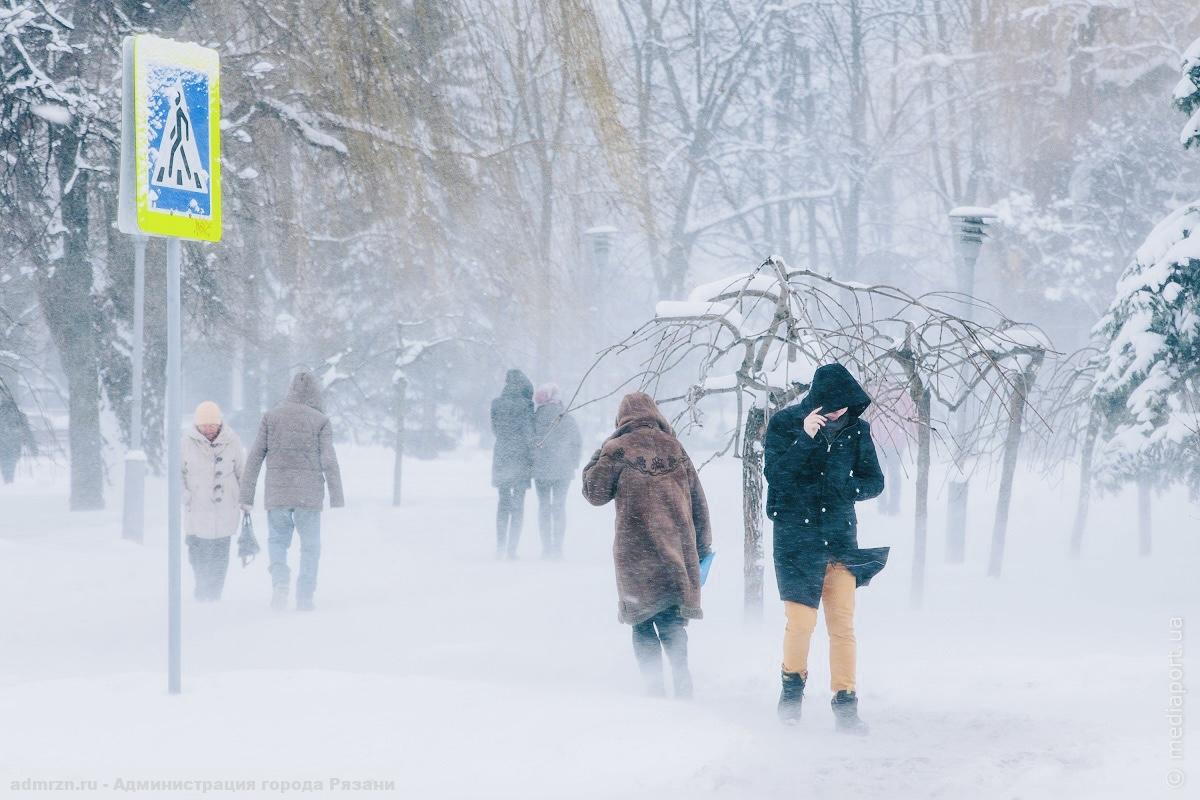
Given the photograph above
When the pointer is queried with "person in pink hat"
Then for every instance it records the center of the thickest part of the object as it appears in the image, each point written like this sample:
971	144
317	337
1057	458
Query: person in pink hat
213	459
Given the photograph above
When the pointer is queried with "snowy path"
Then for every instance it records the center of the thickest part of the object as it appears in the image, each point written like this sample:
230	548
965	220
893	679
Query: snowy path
432	665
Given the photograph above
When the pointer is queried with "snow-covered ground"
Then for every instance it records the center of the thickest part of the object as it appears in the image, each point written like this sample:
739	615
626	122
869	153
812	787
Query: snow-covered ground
433	666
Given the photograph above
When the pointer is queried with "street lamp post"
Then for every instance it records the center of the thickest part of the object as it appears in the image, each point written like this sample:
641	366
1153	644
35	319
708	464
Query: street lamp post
600	240
969	225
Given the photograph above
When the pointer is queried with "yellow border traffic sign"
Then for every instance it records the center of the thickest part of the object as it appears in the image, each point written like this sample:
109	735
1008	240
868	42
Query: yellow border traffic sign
177	138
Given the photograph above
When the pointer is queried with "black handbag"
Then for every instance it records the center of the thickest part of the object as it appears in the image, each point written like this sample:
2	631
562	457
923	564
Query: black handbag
247	545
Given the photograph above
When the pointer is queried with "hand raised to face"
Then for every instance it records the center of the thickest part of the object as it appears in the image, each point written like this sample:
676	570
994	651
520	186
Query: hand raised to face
814	422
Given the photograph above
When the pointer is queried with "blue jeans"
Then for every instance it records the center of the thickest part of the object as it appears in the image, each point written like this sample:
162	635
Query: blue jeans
306	522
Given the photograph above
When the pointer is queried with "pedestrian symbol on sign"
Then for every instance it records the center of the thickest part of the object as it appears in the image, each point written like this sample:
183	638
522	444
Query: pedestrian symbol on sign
178	164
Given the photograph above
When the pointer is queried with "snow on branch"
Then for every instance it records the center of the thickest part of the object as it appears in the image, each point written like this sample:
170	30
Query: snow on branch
302	120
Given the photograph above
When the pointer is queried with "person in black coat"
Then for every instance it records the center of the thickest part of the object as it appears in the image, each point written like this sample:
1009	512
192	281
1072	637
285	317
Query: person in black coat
557	447
512	458
820	461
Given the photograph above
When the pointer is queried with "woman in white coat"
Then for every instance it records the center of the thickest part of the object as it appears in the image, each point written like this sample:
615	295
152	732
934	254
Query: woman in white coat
213	458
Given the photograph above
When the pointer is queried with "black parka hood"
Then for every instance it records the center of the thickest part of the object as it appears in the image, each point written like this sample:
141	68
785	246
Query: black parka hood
518	383
833	387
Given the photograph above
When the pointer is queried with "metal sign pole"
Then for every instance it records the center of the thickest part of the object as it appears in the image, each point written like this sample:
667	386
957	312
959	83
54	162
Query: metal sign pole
174	467
170	187
135	460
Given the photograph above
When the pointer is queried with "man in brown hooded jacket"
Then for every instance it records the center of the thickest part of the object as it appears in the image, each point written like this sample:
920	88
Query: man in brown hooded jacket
662	533
295	440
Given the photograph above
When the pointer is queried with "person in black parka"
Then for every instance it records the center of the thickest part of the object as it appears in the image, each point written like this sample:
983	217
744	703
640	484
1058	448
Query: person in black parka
819	462
512	458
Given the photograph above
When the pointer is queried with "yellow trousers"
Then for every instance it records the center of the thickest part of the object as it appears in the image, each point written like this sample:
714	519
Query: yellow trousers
837	595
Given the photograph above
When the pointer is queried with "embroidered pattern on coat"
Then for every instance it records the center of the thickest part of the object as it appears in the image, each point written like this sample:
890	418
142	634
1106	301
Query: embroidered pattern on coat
658	465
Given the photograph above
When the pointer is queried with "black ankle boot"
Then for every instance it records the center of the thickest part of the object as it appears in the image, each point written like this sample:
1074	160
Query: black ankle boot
845	711
791	697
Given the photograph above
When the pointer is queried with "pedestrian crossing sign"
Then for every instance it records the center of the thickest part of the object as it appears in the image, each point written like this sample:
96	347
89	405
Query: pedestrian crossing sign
171	165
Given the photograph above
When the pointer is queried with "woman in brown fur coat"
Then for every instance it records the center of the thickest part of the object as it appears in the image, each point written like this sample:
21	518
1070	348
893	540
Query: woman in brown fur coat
662	532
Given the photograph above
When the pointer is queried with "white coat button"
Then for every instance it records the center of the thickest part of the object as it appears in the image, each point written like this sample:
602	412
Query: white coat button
822	511
805	522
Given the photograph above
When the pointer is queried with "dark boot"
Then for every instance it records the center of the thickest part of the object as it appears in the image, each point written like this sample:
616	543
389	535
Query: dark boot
673	635
648	650
845	711
791	696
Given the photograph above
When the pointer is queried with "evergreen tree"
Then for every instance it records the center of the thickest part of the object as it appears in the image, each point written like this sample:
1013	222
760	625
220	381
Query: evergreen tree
1147	389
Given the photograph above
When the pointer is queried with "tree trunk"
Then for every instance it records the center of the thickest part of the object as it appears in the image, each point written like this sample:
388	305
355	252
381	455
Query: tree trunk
956	521
921	400
1143	506
752	504
87	463
401	386
1085	484
1012	446
69	311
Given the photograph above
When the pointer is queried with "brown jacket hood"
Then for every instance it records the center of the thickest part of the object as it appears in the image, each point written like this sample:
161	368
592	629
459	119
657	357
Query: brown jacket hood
637	409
